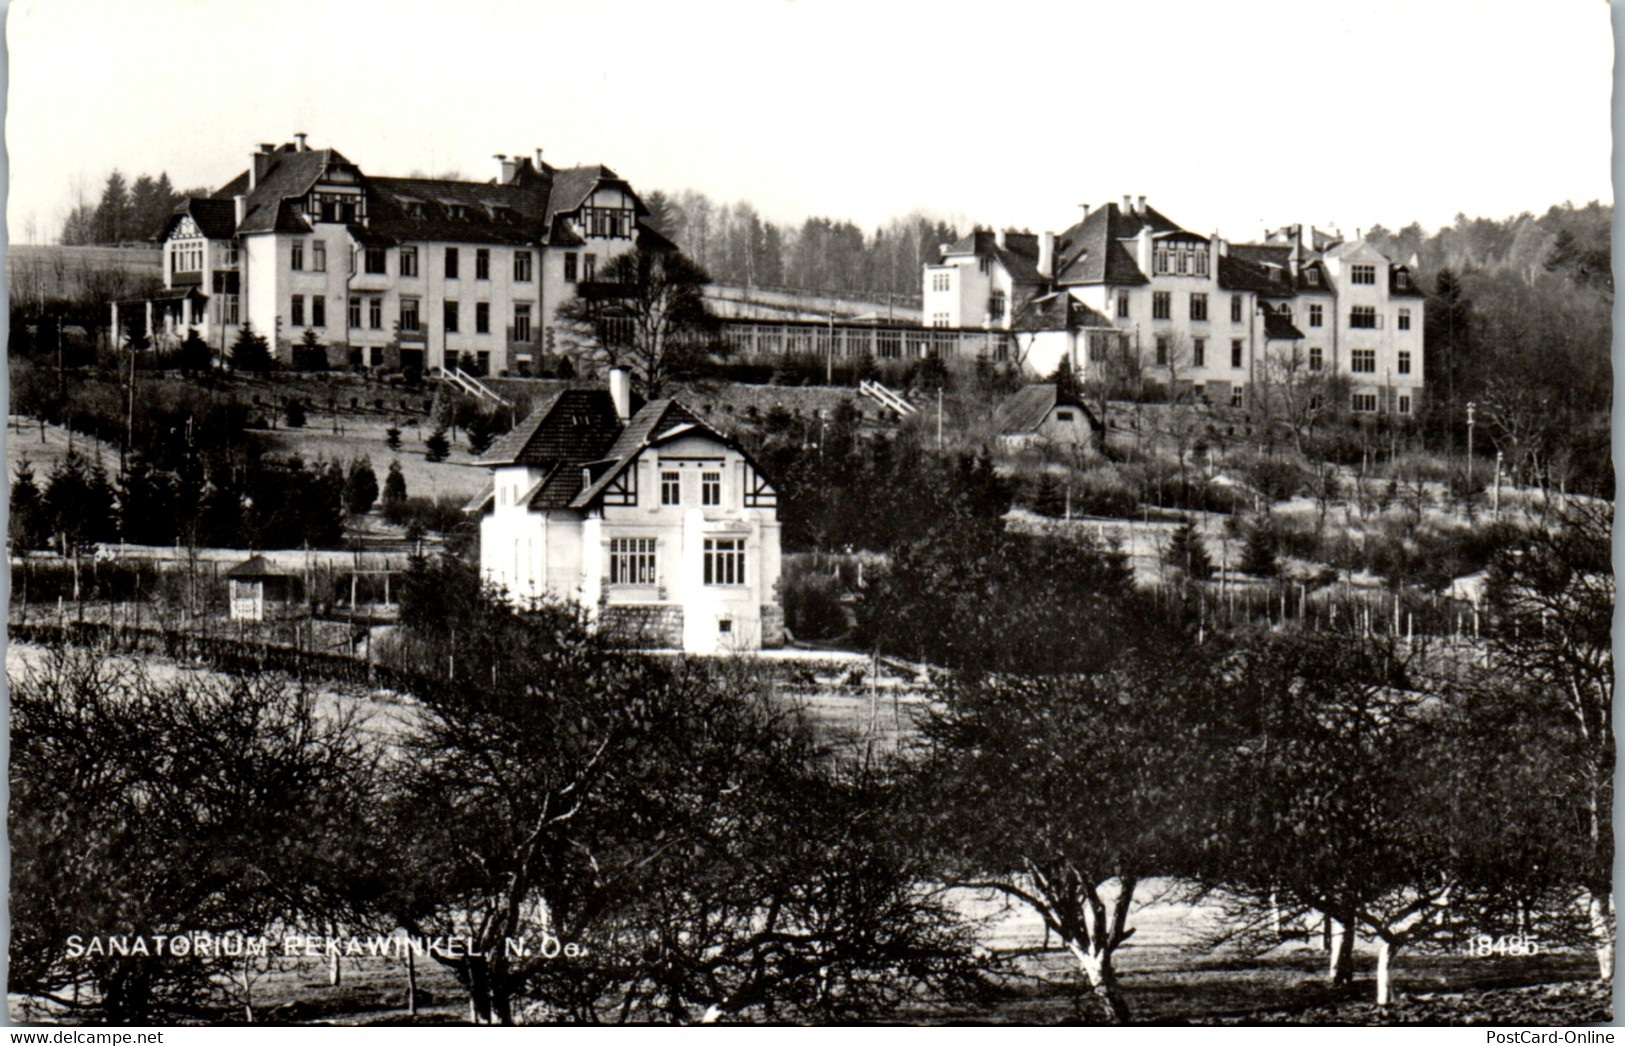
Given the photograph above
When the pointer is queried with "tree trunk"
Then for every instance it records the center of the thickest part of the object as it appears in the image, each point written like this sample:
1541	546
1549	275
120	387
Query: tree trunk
1385	955
479	993
1096	964
1341	971
1600	909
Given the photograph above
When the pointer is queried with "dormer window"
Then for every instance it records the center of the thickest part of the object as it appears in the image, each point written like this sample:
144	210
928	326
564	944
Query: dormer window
1312	277
1402	280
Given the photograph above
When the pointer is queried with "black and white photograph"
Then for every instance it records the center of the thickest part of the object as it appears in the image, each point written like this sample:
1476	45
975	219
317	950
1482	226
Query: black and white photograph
810	512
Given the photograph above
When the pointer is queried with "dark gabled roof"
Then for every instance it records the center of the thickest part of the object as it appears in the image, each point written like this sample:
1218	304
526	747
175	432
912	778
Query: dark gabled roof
1092	250
1059	311
1262	253
215	218
1026	410
1238	274
573	427
1396	291
289	173
257	566
529	207
1019	255
657	422
1278	325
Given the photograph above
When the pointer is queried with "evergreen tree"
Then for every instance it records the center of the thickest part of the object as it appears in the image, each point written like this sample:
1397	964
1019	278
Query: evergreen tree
482	429
27	527
360	487
1049	499
113	213
250	352
392	438
310	354
1065	380
1187	552
394	486
194	357
436	446
1258	556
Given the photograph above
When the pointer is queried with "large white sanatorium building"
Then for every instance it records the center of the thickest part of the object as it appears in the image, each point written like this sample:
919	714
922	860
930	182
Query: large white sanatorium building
393	273
1198	312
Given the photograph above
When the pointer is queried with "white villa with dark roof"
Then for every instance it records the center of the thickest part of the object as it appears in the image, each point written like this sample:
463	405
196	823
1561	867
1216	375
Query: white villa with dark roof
1197	312
393	273
657	522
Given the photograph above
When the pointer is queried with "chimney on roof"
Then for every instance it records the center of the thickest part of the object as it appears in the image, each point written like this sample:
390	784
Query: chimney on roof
506	168
538	157
257	163
1220	248
620	391
998	238
1141	209
300	138
1046	254
1085	208
1128	205
240	208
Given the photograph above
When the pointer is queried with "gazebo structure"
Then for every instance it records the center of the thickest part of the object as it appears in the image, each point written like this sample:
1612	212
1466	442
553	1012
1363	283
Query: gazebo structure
261	591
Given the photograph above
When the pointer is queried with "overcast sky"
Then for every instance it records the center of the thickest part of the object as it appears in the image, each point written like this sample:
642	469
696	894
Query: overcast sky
1227	115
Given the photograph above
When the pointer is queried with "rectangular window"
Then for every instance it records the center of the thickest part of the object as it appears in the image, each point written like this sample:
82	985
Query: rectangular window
1235	352
1404	363
482	264
228	308
1236	395
409	314
1182	260
409	261
1363	361
939	319
375	261
724	561
521	322
318	310
1198	306
1404	404
1317	315
1363	316
1201	259
570	258
1199	352
671	488
1363	274
482	317
589	267
1161	305
710	488
1160	260
1317	358
1162	350
449	309
298	315
355	313
995	306
632	561
940	281
1235	308
1402	280
1364	402
375	313
296	256
1122	305
451	263
318	255
1311	276
1404	319
521	266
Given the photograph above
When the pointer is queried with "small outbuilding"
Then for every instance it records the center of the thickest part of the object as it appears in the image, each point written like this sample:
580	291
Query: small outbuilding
261	591
1042	414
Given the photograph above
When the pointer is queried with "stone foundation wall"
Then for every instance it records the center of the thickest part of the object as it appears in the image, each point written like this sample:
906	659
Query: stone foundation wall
772	625
656	626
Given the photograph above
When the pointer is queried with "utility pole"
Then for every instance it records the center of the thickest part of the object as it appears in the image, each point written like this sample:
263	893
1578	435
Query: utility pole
1470	408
